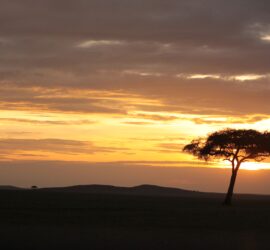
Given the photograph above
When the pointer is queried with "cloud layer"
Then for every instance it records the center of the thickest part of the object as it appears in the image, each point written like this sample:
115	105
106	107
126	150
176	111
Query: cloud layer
100	72
140	47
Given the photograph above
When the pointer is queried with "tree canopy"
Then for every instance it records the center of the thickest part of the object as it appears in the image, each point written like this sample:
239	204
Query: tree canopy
234	145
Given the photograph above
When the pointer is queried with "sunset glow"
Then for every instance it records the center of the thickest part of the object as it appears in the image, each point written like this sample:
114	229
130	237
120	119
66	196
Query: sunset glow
95	83
249	166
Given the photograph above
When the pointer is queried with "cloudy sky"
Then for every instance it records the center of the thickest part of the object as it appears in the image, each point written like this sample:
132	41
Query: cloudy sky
127	82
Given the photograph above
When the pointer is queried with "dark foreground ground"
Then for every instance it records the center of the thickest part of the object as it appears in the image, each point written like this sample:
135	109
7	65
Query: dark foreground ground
34	219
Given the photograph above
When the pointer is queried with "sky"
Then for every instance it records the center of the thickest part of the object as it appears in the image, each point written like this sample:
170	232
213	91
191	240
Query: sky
123	85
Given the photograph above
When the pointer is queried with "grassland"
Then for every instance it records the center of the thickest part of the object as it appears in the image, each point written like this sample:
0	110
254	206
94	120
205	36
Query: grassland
33	219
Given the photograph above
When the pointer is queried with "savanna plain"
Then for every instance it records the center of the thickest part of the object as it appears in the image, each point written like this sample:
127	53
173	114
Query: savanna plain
59	219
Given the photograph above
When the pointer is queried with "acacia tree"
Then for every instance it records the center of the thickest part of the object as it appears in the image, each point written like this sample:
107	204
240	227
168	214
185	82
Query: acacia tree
233	145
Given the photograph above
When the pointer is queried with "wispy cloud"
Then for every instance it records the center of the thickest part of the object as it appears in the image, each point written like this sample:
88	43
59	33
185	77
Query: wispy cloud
94	43
13	147
47	122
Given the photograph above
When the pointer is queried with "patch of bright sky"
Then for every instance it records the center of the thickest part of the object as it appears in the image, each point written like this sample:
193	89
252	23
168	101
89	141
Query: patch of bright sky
141	73
265	38
94	43
247	165
248	77
201	76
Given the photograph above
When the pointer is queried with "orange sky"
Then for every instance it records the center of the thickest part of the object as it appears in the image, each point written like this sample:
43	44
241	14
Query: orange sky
30	132
129	82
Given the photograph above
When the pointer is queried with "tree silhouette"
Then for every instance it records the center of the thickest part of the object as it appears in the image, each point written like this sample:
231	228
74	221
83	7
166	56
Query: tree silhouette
233	145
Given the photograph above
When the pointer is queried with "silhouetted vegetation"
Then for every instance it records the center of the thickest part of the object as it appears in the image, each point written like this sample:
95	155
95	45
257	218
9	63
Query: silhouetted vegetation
233	145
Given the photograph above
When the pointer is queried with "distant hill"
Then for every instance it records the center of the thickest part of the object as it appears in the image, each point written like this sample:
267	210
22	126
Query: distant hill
147	190
142	190
10	188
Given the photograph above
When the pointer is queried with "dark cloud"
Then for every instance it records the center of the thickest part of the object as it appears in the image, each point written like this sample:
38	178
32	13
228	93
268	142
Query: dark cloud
55	100
47	122
241	120
13	147
154	117
137	47
203	97
143	19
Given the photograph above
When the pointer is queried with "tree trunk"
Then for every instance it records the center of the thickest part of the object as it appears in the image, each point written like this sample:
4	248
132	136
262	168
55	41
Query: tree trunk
228	198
